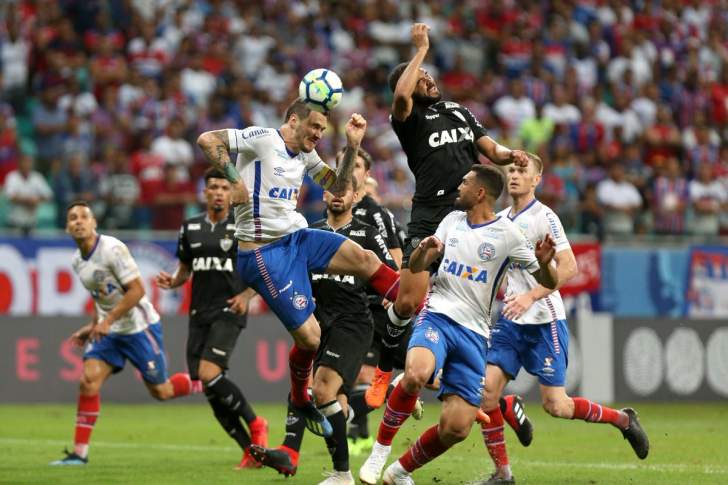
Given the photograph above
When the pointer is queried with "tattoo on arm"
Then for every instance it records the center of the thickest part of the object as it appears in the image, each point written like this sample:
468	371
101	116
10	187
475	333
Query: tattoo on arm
214	145
345	170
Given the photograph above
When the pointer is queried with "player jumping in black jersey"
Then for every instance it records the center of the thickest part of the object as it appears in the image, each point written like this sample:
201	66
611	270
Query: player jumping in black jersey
342	308
218	311
442	140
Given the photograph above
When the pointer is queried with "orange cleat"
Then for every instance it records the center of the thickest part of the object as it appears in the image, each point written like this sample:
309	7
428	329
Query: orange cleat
481	418
248	461
259	431
377	392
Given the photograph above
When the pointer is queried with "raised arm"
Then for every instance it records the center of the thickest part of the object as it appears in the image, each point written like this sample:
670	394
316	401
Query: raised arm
216	147
402	102
499	154
356	127
425	254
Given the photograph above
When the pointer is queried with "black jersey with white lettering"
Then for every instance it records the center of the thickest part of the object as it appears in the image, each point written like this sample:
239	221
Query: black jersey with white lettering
211	252
344	296
369	211
439	141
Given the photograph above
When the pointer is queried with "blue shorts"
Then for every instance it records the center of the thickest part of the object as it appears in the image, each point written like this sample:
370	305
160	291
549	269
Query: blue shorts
459	353
540	349
279	272
144	349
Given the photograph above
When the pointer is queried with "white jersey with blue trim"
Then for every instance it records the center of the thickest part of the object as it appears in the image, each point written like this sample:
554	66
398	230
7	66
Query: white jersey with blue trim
473	265
273	176
535	221
107	269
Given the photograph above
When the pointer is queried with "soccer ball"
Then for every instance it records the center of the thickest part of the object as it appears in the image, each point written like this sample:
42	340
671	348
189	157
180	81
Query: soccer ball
321	90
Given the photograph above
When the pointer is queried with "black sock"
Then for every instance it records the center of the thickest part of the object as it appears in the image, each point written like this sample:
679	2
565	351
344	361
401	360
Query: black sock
295	428
230	395
338	447
359	425
229	421
358	404
391	340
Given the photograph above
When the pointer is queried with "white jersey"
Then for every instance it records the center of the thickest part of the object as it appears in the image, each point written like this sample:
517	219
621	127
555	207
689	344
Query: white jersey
535	221
273	175
104	273
473	265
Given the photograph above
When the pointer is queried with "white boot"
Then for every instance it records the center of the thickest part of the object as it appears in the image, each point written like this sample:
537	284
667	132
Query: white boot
339	478
371	470
395	474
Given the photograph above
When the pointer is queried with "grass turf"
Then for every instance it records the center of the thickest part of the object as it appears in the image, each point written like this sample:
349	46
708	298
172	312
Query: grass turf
182	443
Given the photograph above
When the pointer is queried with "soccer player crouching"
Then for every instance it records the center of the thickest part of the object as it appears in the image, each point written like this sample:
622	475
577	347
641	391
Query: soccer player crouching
125	326
450	334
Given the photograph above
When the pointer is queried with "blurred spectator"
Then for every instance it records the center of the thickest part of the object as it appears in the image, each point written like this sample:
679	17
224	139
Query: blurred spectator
25	189
662	139
670	199
50	121
73	181
148	53
120	192
707	198
170	200
9	149
515	108
560	111
174	149
537	131
591	213
620	200
14	59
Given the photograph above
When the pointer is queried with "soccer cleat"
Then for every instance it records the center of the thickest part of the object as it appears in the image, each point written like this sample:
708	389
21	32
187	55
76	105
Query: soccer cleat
371	470
496	480
419	410
377	392
282	459
518	420
248	461
315	421
396	475
481	418
259	431
636	435
338	478
71	459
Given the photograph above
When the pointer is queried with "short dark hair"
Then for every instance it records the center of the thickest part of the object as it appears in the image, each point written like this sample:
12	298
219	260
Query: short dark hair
537	162
395	74
77	203
360	153
213	173
490	178
300	109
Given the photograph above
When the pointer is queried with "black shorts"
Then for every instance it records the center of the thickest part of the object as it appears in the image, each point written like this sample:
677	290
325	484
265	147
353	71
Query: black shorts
380	328
343	346
212	337
423	222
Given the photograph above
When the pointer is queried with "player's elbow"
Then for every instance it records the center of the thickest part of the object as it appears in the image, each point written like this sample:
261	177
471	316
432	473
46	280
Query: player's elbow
205	139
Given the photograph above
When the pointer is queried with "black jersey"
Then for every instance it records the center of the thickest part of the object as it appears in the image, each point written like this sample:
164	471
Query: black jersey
439	142
211	252
344	296
369	211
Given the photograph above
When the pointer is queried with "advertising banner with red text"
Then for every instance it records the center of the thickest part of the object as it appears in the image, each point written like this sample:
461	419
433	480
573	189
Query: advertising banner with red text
589	277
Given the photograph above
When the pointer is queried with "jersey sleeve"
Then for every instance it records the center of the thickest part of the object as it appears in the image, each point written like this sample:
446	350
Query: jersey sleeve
319	171
376	243
475	125
245	141
122	263
184	253
441	232
520	250
551	224
387	228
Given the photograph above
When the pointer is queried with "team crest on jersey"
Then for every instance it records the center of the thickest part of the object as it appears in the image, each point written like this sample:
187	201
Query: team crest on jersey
226	243
300	302
486	251
432	335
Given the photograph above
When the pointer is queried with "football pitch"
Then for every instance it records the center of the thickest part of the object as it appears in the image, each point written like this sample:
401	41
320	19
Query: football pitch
181	443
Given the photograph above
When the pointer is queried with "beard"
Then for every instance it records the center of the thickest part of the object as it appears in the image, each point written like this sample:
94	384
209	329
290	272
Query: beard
462	204
425	100
338	209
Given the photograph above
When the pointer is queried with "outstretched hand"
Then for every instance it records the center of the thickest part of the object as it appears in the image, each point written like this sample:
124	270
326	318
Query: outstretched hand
545	249
164	280
431	242
519	158
355	129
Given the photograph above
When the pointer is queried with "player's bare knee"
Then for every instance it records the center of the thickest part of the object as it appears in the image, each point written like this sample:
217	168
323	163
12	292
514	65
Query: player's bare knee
90	384
162	392
452	432
323	391
557	408
414	380
206	374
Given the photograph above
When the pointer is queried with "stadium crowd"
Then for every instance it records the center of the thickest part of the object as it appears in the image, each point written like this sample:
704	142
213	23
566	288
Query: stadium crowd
625	101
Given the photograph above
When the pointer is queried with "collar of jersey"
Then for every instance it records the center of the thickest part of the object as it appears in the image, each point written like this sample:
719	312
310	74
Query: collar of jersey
524	209
290	153
93	249
476	226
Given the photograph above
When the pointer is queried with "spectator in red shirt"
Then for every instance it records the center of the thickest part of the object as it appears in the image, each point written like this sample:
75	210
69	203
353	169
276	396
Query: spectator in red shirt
170	200
670	199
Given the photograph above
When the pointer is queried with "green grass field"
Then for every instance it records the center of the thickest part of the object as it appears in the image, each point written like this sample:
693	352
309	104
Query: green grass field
178	443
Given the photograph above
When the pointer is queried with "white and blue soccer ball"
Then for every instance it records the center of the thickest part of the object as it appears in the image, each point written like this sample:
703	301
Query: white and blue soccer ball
321	89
